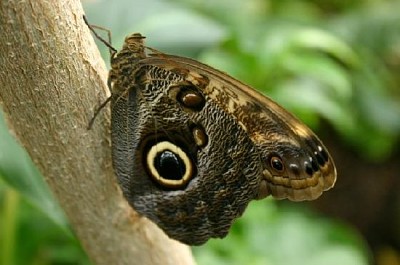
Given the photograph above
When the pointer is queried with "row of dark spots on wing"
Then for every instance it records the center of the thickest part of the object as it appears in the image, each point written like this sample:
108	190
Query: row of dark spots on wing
318	158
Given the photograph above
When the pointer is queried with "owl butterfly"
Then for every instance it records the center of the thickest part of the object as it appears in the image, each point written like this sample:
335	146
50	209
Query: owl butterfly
192	146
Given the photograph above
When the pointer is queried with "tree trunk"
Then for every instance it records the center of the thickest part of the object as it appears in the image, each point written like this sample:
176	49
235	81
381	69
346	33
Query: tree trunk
51	80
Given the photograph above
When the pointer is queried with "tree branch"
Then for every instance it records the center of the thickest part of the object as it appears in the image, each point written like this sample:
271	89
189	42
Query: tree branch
51	80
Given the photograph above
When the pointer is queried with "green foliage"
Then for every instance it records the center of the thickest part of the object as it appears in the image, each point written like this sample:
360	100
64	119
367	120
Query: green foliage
271	234
30	237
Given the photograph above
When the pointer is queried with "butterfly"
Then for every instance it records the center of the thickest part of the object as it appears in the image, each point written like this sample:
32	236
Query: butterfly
192	146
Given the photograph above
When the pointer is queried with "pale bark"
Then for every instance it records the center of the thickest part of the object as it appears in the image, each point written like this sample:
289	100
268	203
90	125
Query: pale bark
51	80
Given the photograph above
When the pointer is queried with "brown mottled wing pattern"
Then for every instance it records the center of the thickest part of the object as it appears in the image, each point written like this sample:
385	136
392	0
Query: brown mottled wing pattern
193	146
307	167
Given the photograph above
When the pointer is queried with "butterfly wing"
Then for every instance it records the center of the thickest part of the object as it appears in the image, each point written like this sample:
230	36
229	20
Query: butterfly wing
296	164
193	146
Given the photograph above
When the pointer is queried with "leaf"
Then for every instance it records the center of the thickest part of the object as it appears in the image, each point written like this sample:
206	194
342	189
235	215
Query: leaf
268	234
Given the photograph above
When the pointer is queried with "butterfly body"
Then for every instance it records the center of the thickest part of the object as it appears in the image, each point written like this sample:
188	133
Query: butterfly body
193	146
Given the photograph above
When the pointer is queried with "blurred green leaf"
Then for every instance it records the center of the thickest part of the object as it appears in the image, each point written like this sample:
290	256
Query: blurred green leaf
267	234
28	236
327	43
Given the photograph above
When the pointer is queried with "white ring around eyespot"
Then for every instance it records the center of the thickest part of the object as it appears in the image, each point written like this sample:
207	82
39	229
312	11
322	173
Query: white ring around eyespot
164	146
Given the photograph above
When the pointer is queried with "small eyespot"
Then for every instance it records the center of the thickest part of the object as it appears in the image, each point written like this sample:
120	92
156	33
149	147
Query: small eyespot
314	164
276	163
308	168
189	97
169	165
199	135
323	153
320	160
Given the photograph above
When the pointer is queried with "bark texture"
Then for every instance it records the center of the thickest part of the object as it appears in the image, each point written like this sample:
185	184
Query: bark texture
51	80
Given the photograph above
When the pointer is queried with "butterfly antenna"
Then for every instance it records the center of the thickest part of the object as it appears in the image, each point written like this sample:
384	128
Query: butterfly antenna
105	42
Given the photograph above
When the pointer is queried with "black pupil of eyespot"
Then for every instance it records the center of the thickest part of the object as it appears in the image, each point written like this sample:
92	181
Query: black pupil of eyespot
169	165
277	164
308	168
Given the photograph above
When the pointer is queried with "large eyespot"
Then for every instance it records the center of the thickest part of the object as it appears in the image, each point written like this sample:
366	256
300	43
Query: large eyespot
276	163
169	165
